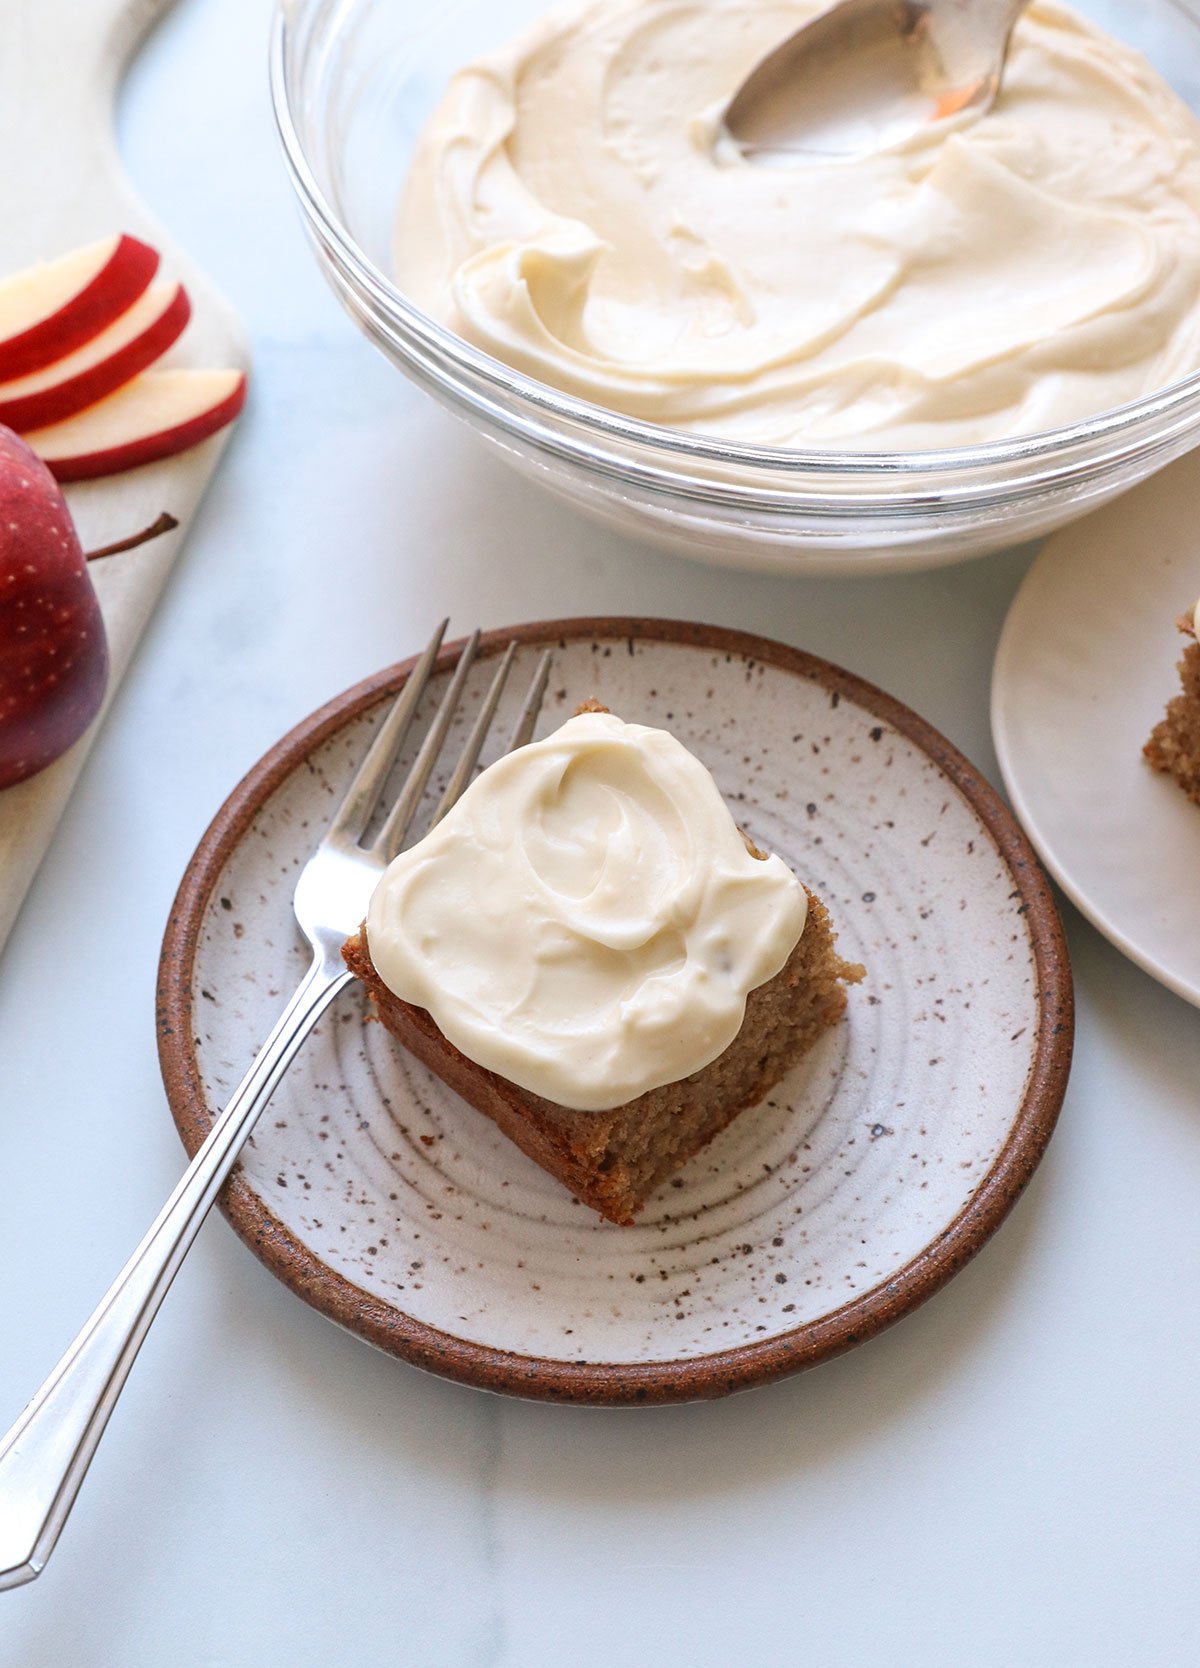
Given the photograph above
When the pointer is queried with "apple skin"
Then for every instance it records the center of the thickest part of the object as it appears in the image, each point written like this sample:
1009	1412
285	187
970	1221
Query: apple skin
54	401
125	274
155	416
53	647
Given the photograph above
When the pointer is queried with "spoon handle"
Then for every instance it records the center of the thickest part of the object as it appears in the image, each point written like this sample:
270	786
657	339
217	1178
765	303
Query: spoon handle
968	39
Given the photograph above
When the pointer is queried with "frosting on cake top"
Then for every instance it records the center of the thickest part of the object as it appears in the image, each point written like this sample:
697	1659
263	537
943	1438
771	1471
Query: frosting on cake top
587	921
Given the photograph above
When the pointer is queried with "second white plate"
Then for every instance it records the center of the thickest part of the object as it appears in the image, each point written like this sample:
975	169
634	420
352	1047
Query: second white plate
1086	664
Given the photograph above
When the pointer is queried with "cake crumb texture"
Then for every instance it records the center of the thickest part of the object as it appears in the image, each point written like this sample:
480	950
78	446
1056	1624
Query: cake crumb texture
1174	746
615	1160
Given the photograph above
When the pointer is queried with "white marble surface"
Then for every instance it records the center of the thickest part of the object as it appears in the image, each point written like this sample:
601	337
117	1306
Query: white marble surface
1009	1477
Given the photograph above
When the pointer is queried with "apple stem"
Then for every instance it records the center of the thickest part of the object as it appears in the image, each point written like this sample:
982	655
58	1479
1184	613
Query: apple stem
164	524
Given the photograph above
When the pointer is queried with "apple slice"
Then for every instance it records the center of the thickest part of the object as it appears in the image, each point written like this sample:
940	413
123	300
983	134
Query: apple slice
142	334
50	310
157	414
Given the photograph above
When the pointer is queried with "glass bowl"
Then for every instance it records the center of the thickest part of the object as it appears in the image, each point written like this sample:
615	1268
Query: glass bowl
354	80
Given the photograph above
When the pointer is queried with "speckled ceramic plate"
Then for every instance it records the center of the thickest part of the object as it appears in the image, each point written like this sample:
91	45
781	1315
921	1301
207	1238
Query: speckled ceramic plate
873	1172
1086	664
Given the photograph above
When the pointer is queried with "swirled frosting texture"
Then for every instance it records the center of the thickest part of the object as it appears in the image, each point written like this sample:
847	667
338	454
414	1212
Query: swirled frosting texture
587	920
571	209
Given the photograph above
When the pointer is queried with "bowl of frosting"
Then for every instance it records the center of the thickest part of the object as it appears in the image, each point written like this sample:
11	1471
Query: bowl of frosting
903	358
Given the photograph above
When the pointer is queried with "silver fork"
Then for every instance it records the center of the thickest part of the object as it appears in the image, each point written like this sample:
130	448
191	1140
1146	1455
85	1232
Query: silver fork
45	1456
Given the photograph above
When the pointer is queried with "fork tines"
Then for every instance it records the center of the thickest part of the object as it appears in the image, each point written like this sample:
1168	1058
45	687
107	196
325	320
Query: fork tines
352	820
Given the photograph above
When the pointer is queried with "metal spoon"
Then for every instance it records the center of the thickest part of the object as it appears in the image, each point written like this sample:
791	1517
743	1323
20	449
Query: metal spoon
869	73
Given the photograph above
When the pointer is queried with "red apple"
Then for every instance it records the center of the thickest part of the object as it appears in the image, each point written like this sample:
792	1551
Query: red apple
53	650
157	414
48	311
142	334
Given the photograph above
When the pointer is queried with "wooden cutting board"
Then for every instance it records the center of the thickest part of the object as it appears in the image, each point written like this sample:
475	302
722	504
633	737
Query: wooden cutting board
60	69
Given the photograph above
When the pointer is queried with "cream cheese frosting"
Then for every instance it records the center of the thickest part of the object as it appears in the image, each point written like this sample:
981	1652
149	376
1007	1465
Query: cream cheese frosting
572	209
587	920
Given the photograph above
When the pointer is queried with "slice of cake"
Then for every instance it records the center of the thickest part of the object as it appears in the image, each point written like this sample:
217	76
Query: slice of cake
1174	746
588	950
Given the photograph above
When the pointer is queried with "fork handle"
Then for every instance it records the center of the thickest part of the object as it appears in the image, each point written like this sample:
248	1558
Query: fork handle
45	1456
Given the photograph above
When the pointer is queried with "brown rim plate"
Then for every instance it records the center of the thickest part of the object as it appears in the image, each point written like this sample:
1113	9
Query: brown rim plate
868	1179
